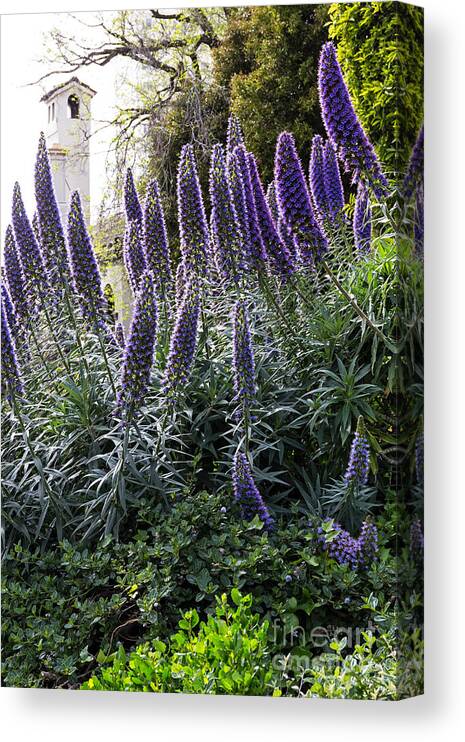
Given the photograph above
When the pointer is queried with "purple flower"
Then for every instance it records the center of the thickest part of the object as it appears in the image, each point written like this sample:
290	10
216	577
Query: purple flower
333	184
155	237
247	494
346	549
36	228
255	247
317	178
417	542
276	250
418	222
272	202
243	358
15	275
119	335
359	459
131	200
191	214
343	126
12	383
287	238
180	282
414	174
227	238
294	201
368	542
85	270
51	234
134	254
362	220
239	201
140	346
12	319
32	262
234	136
183	341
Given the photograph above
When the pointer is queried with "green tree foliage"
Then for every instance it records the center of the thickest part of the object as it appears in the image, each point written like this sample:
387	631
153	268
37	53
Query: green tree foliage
380	48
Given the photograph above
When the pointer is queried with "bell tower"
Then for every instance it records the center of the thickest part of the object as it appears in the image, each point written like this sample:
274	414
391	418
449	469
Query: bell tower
68	131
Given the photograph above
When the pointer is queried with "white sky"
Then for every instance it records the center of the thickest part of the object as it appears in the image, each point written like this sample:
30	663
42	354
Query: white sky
23	115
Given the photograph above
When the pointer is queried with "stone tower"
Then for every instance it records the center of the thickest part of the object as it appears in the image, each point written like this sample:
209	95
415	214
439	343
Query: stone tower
67	132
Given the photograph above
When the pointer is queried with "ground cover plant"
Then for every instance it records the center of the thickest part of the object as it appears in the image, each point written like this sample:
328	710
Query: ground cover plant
225	496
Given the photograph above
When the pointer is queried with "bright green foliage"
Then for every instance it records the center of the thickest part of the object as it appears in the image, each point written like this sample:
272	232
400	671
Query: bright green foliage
227	654
380	48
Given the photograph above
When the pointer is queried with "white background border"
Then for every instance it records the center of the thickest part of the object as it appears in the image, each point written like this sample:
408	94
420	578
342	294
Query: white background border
67	715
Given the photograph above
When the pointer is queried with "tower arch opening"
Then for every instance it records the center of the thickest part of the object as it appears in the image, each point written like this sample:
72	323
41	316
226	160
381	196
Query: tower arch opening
73	107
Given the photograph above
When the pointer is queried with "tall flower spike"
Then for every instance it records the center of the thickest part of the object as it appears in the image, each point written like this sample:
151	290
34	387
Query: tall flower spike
119	335
12	384
180	283
272	202
183	342
238	196
317	178
368	542
134	254
131	200
36	227
140	347
418	222
414	174
286	236
256	249
85	270
51	234
234	136
294	201
225	228
243	358
191	213
246	493
343	126
15	275
362	220
35	274
155	238
276	250
359	459
333	184
11	317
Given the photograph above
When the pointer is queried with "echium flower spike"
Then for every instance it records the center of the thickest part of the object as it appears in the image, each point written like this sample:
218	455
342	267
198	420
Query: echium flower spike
32	262
183	342
255	247
368	542
246	492
12	384
317	178
234	136
359	459
227	238
288	239
294	201
119	335
131	200
155	238
140	347
51	234
15	276
134	254
414	174
191	215
350	550
243	358
36	227
181	280
333	184
276	250
362	220
272	202
84	266
343	126
11	317
239	200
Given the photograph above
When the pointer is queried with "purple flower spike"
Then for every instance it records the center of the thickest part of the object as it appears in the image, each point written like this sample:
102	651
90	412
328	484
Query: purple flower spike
12	384
243	358
294	201
155	238
51	235
247	494
348	550
12	319
140	347
359	459
272	202
255	247
362	220
15	275
276	250
234	136
317	178
183	342
36	228
414	174
286	236
86	274
343	126
131	200
180	282
239	201
119	335
227	238
368	542
134	254
32	262
191	213
333	184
